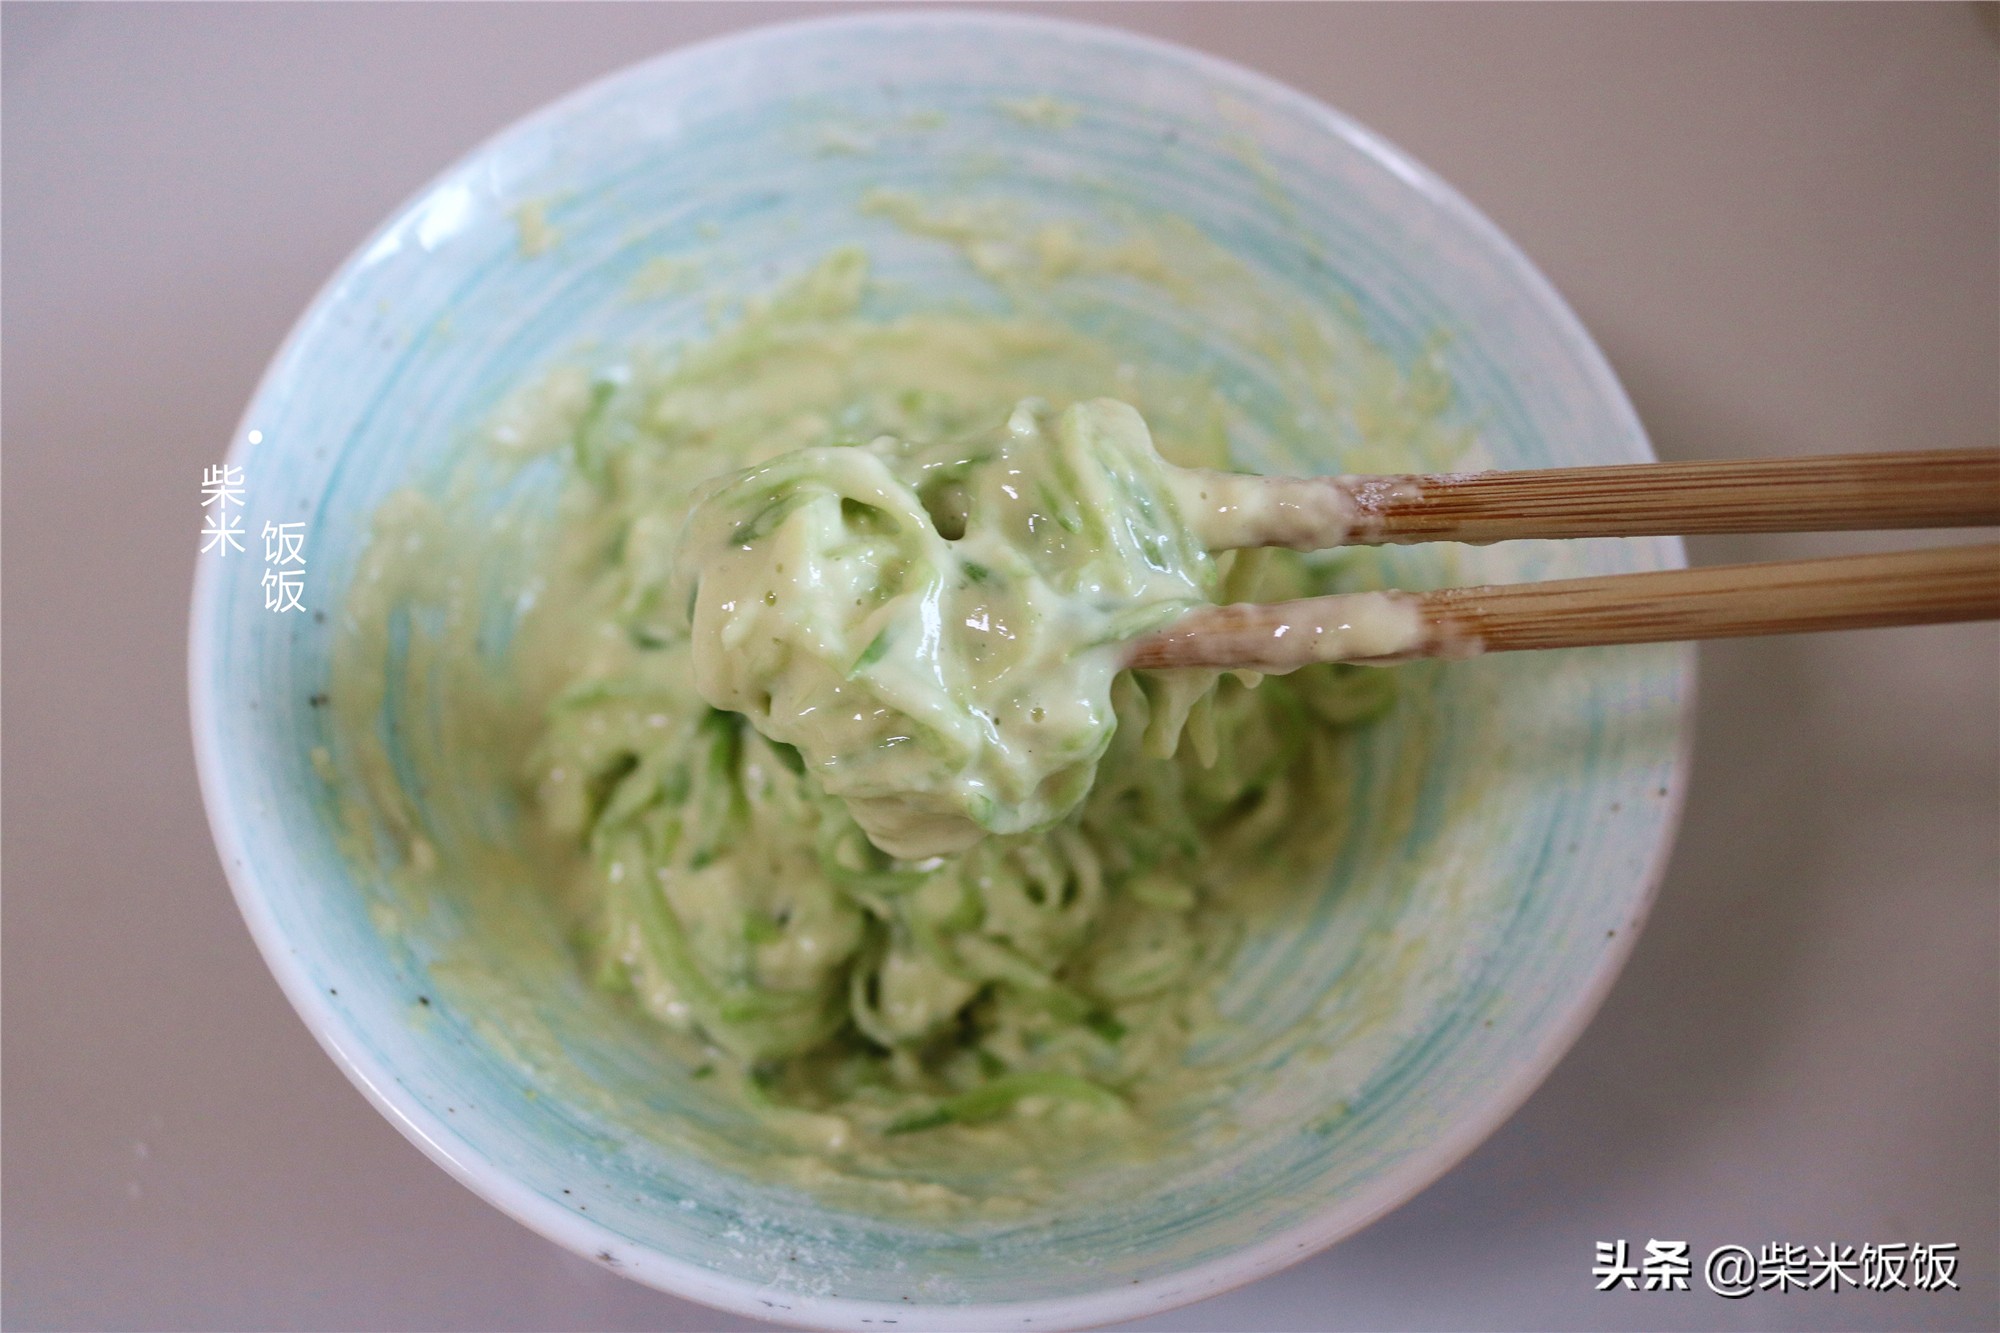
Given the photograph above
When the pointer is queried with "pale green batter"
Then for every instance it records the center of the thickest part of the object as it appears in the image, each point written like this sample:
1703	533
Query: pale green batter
1027	945
926	973
935	626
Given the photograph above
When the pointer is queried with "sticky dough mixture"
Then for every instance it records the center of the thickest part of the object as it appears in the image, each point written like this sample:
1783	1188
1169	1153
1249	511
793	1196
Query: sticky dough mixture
1027	966
935	626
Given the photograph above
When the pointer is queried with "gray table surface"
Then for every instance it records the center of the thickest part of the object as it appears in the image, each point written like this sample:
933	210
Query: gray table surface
1783	224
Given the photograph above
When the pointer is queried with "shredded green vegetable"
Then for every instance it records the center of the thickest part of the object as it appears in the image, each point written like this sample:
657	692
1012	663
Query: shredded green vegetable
936	627
902	896
1045	970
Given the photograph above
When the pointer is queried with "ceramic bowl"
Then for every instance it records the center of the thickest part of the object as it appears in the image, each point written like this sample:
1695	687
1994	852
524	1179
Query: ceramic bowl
1485	897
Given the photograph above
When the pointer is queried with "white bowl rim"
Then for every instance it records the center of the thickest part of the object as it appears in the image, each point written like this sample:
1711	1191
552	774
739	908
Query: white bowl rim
1333	1223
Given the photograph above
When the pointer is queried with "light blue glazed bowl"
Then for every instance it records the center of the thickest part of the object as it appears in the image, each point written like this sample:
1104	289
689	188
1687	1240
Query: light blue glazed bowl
1487	893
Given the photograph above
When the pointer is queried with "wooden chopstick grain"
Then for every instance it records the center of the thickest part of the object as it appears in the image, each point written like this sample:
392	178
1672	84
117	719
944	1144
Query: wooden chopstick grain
1723	601
1936	488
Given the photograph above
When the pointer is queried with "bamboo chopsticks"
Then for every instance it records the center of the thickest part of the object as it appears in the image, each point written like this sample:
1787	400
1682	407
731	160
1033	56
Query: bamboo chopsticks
1723	601
1928	489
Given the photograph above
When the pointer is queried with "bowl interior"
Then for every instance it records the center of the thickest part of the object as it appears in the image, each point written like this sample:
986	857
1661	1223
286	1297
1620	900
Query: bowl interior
1505	823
